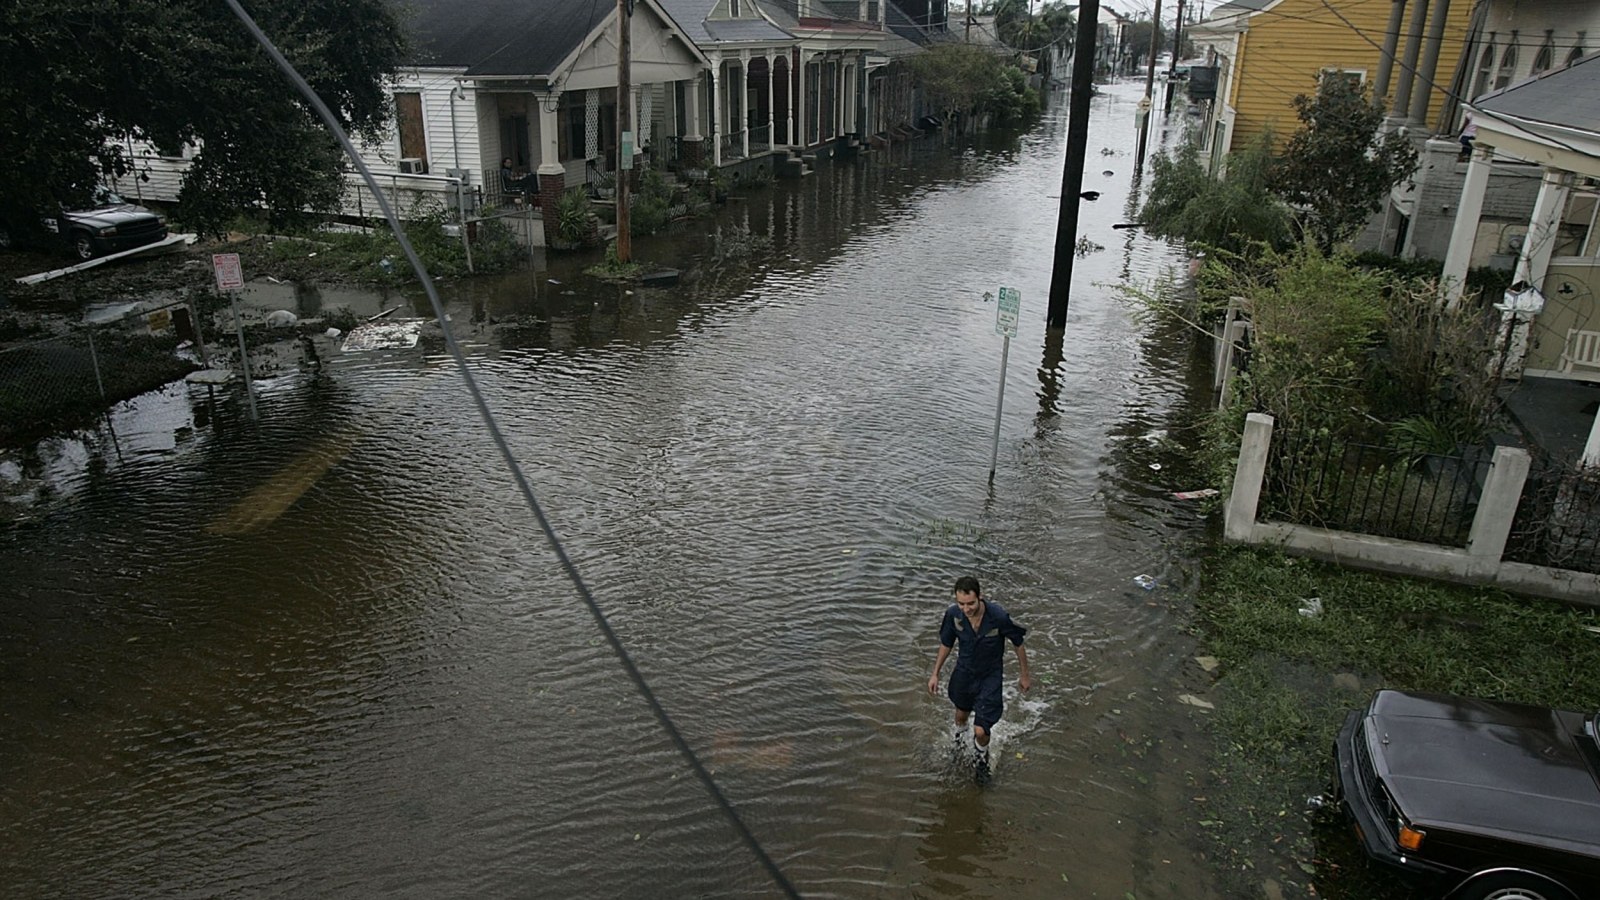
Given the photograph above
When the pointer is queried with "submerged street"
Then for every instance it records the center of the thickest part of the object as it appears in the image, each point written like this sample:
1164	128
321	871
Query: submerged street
333	655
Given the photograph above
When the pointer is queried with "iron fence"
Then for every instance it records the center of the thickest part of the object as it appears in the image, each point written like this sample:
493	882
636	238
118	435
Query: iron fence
1328	482
761	139
65	381
732	145
1558	519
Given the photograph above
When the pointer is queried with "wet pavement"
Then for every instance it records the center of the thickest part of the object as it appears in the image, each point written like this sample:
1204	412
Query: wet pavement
333	655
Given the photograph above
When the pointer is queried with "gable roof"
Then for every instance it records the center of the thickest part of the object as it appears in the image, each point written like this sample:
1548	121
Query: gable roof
500	37
1566	98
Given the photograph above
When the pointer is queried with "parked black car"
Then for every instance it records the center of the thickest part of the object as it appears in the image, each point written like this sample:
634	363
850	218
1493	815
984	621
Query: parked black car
1491	801
109	225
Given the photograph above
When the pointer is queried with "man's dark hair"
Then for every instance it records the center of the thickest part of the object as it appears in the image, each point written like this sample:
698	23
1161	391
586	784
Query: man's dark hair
966	584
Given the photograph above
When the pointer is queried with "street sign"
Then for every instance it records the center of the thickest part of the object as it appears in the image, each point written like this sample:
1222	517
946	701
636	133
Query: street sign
229	276
1007	311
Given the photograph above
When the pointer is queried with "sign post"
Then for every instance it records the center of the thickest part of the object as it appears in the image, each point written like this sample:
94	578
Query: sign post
1007	311
230	279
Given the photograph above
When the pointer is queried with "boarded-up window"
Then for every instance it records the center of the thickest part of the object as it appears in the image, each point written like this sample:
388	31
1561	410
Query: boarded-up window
413	143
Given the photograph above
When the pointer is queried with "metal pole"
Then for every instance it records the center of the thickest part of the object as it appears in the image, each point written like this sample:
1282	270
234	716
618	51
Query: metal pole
624	124
94	359
244	356
199	334
461	219
999	404
1072	172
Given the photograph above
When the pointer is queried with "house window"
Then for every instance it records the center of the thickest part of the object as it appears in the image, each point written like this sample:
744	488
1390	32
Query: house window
1546	53
1577	49
733	8
1355	78
1485	69
1508	64
408	112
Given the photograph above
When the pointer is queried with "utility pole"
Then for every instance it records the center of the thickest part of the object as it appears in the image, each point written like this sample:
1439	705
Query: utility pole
624	127
1148	103
1172	67
968	7
1072	172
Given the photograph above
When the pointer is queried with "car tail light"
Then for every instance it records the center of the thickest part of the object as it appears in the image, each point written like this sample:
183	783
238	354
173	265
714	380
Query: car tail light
1411	838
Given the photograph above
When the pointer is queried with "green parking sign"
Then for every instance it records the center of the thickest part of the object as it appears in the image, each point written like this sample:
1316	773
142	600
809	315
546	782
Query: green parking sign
1007	311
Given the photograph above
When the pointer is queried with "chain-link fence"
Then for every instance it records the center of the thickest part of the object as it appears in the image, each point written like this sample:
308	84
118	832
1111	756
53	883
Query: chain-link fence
65	381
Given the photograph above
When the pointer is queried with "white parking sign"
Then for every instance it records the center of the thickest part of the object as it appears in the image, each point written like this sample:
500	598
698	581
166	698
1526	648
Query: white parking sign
1007	311
230	277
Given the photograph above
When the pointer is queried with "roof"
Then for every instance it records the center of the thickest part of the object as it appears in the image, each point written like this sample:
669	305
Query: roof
1568	97
499	37
1238	7
738	30
691	17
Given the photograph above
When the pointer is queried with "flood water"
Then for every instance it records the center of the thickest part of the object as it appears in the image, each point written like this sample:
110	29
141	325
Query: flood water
333	655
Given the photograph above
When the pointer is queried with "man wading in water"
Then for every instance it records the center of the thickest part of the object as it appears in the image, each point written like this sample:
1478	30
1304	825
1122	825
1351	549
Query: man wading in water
975	684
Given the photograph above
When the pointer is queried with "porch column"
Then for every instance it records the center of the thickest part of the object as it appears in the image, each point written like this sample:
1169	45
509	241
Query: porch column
717	125
1591	449
1534	260
1430	62
694	141
744	98
552	174
772	110
796	70
1408	65
804	135
1464	233
1391	43
863	84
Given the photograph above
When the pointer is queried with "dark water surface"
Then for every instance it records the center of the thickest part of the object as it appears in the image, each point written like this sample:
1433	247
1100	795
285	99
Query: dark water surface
334	656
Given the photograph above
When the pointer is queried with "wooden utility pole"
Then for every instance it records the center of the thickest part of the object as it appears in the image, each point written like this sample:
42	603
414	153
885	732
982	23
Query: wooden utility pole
1172	67
1147	105
1072	171
624	127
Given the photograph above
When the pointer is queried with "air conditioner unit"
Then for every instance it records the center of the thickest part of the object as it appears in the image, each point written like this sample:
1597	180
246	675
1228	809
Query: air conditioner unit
411	165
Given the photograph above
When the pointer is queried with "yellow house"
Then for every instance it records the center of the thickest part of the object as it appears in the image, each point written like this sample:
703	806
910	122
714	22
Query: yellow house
1267	52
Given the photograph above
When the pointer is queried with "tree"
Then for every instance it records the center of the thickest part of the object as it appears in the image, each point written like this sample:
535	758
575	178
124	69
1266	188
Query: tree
1234	212
84	77
1337	168
959	78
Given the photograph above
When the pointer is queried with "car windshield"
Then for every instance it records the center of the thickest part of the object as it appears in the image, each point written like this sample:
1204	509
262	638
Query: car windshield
107	197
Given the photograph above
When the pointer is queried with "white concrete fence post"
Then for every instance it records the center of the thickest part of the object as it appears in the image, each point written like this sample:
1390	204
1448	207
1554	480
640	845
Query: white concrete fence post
1240	516
1497	506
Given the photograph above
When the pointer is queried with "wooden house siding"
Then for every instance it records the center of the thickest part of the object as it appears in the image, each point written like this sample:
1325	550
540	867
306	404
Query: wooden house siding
1288	46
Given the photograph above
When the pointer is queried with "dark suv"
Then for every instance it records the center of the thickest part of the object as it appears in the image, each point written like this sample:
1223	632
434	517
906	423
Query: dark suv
1491	801
109	225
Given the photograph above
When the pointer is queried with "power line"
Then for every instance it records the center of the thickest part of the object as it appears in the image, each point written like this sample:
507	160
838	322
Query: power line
493	427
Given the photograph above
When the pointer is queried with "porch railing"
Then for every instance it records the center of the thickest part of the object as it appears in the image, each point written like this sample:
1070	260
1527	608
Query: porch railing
761	139
732	145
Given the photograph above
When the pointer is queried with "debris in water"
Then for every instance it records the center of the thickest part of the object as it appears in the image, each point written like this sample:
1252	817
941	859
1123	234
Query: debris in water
1311	607
1145	581
1196	702
1155	467
1195	495
1209	663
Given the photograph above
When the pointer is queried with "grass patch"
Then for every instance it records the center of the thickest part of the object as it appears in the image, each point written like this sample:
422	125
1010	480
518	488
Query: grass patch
1288	679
